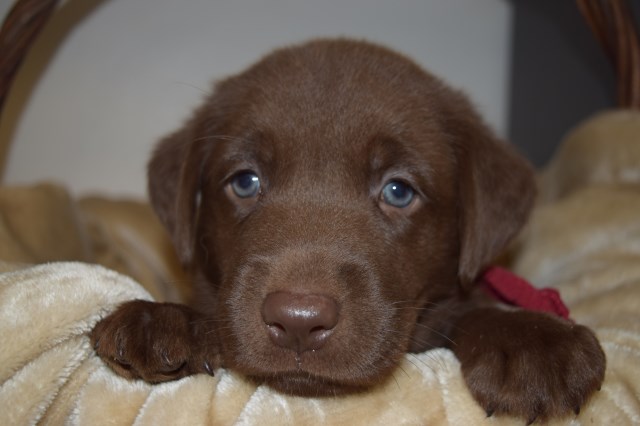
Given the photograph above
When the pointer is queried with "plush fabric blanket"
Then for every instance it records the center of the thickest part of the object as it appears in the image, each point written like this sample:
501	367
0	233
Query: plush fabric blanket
583	240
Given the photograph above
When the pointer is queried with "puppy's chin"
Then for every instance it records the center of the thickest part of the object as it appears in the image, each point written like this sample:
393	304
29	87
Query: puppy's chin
301	383
312	374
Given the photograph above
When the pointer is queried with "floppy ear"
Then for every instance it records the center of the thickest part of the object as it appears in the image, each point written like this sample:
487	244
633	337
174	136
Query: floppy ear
497	190
173	175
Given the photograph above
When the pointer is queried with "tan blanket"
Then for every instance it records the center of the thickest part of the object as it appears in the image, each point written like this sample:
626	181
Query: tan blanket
585	242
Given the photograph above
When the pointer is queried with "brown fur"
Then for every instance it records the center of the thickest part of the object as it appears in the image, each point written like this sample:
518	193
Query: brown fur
325	126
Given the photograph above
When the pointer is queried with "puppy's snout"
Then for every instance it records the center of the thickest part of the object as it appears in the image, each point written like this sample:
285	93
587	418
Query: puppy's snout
300	322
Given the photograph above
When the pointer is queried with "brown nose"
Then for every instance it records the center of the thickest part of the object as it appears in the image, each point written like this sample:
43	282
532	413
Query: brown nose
301	322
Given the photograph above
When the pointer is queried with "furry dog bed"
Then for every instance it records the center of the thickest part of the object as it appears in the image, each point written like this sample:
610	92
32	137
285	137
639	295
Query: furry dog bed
584	239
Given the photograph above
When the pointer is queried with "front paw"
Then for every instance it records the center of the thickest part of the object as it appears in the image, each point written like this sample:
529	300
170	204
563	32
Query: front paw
155	342
528	364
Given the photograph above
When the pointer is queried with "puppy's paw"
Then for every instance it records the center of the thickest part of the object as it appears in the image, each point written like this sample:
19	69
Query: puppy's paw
155	342
528	364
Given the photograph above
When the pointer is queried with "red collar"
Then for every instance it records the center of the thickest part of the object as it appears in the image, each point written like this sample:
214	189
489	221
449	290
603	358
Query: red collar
513	290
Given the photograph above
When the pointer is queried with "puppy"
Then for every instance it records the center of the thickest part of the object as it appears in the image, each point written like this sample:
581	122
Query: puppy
335	204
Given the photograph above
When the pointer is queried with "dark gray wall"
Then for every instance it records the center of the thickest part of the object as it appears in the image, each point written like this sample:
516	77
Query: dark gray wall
560	75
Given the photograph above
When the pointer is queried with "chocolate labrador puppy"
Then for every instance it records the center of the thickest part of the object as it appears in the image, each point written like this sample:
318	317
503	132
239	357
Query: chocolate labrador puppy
335	204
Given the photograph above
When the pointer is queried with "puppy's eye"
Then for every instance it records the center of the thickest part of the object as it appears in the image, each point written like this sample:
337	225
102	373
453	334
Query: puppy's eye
245	184
397	194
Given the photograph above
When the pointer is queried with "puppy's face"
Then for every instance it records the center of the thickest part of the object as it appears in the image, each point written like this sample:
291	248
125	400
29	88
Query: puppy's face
328	199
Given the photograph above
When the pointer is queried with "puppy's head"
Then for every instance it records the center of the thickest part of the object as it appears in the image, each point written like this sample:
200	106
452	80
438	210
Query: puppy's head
325	197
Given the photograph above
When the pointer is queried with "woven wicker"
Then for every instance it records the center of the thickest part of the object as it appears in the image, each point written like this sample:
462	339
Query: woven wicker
613	25
19	30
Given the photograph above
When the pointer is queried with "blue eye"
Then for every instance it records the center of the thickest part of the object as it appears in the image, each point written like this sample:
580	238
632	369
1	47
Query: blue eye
397	194
245	184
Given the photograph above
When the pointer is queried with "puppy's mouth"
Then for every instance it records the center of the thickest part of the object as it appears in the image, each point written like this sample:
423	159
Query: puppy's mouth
303	383
317	373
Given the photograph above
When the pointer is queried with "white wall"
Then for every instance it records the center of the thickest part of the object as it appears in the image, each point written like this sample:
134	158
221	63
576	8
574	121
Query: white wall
132	69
